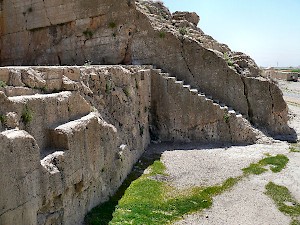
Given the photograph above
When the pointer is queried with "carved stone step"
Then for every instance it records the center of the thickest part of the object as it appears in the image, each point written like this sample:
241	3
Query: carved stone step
171	78
165	74
187	86
179	82
194	91
224	107
231	111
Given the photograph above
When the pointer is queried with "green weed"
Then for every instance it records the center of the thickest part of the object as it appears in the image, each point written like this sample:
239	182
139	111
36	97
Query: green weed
2	118
2	84
112	25
126	91
226	117
284	200
88	34
150	201
27	115
228	59
108	87
277	163
295	148
162	34
183	30
147	200
295	71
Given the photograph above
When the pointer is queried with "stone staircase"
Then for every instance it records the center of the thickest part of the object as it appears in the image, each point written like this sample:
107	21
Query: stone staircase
196	116
38	113
202	95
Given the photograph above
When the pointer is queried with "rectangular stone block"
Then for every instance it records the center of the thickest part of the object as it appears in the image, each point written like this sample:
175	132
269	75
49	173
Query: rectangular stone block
4	75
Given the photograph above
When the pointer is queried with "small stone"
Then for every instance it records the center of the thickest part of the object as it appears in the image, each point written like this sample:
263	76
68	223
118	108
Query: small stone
11	120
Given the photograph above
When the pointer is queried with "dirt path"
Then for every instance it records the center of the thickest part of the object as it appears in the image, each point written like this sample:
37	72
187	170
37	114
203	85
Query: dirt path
246	203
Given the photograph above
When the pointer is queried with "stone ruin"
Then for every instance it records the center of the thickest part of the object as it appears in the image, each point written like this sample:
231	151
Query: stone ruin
71	134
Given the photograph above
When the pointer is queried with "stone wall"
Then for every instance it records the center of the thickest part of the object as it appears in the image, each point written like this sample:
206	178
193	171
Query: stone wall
141	32
61	153
281	75
64	32
70	135
208	70
180	113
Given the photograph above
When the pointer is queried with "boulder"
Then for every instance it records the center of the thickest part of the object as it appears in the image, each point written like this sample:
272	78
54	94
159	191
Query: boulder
191	17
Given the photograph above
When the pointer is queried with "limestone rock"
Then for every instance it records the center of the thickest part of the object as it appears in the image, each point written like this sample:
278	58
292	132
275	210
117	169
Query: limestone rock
65	159
4	75
191	17
20	180
33	79
11	120
69	85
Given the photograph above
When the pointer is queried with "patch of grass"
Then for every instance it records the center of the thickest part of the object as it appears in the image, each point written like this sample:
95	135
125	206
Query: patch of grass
183	31
295	71
2	118
150	201
43	89
226	117
295	222
255	169
147	201
228	59
294	148
2	84
162	34
112	25
27	115
108	87
277	163
126	92
88	33
284	200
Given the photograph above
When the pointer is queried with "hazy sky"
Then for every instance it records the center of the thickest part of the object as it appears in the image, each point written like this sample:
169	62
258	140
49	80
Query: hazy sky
267	30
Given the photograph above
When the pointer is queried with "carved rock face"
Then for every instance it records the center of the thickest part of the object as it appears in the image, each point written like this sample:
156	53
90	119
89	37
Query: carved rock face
191	17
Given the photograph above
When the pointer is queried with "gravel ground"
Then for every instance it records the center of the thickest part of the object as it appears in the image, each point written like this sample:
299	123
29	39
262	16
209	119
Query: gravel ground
245	204
207	167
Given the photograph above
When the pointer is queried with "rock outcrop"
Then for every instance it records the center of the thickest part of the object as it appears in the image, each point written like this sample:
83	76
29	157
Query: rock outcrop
70	134
59	156
141	32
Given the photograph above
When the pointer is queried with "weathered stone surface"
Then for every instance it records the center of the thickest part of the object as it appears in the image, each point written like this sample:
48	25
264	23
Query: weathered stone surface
88	135
19	196
11	91
83	159
191	17
182	114
11	120
4	75
132	33
61	32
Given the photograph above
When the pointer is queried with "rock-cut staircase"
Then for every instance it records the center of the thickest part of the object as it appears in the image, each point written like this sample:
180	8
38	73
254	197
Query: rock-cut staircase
182	113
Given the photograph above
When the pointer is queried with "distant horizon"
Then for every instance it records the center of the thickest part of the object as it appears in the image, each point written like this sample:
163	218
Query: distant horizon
268	31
